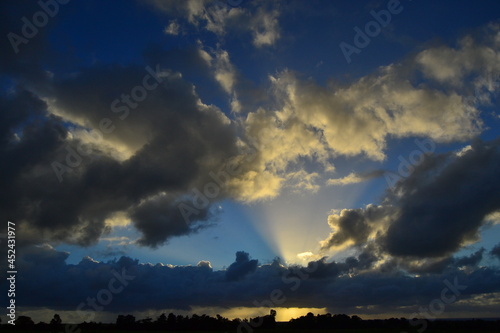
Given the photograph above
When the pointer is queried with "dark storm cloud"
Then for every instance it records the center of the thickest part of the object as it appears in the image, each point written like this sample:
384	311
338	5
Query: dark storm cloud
470	260
439	265
174	143
433	212
433	266
47	281
31	140
43	255
173	140
62	184
160	218
241	267
323	269
496	251
111	252
445	201
352	226
368	256
355	225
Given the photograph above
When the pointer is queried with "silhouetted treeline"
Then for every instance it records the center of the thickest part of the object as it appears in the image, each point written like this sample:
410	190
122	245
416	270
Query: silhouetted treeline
177	323
172	322
342	321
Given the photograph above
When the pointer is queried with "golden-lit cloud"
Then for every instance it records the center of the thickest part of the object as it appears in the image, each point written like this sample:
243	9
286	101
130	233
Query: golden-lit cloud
119	241
351	178
451	65
317	123
224	71
259	19
357	119
172	28
118	219
493	217
354	178
256	185
265	27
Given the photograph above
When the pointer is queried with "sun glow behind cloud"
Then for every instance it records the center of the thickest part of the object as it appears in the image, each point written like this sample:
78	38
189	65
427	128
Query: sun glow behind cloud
282	314
292	230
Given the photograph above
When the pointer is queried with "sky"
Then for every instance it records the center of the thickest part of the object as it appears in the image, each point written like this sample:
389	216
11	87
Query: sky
232	156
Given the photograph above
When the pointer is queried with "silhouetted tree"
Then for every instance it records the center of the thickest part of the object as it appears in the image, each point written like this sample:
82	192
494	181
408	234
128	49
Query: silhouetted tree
161	322
42	326
171	320
127	321
24	322
146	323
356	318
56	322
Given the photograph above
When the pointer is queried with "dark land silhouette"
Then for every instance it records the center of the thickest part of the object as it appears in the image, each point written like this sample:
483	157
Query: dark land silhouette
310	322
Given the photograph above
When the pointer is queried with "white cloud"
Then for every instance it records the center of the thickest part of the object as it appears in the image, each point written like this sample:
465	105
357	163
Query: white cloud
493	217
358	118
314	123
117	241
351	178
225	72
265	27
260	19
452	65
172	28
303	181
